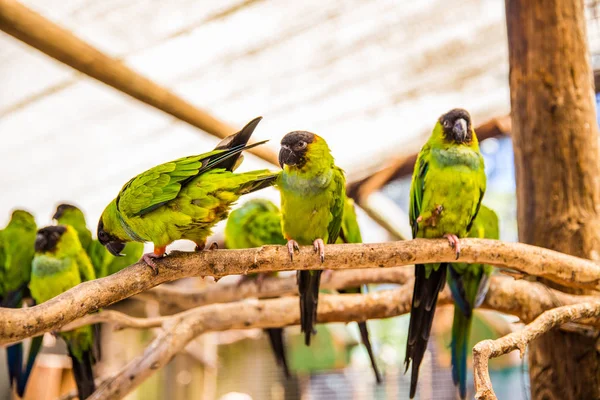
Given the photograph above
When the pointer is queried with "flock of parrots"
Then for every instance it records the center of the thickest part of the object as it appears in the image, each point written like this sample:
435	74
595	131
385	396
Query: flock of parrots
185	198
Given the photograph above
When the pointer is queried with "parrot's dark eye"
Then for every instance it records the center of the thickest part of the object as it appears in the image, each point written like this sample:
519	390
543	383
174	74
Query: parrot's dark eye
301	145
447	124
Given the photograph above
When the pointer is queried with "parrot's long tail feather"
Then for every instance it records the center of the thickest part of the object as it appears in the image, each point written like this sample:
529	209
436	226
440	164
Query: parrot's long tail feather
461	327
97	341
266	179
14	358
34	349
278	347
364	335
84	376
308	288
424	301
234	144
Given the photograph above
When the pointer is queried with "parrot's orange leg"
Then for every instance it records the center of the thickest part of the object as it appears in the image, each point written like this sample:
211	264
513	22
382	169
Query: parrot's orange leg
150	257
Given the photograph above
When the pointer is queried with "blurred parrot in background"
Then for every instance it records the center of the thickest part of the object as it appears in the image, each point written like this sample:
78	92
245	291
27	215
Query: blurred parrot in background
469	284
104	263
313	192
181	199
256	223
60	263
350	233
447	186
17	242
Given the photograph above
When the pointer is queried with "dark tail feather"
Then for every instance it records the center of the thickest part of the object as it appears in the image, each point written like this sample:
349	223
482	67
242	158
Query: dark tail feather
424	301
364	334
261	183
84	376
278	347
461	327
97	328
237	140
14	358
308	288
34	349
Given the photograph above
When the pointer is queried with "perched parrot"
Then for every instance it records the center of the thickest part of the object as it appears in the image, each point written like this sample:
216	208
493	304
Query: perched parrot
258	222
104	263
469	284
447	186
16	253
181	199
350	233
312	203
60	263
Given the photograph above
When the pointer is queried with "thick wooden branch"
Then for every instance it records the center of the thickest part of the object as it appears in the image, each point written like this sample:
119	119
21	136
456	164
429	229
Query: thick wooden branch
179	329
17	324
62	45
487	349
174	299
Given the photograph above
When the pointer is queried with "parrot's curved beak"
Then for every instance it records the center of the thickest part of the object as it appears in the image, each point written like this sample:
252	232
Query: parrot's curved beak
460	130
115	248
286	156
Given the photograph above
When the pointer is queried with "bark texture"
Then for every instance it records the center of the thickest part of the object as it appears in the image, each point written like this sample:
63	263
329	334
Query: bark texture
556	157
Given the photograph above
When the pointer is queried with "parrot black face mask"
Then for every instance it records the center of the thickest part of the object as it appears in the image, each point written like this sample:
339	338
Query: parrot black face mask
48	237
112	244
293	148
457	126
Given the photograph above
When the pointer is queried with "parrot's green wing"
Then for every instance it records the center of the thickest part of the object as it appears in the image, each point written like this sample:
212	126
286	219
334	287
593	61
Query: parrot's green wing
417	187
350	231
337	205
161	184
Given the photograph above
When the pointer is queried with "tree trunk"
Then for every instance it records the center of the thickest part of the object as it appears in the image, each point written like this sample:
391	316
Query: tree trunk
557	169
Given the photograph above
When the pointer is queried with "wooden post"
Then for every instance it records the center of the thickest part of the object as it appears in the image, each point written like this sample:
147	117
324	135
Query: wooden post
556	157
44	35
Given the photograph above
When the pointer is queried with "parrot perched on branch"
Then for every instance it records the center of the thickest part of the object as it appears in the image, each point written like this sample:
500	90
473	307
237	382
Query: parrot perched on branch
312	203
181	199
447	186
256	223
469	284
104	263
350	233
60	263
17	242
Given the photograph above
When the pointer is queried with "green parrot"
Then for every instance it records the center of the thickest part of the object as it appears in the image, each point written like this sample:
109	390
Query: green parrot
16	253
447	186
350	233
104	263
60	263
312	203
181	199
256	223
469	284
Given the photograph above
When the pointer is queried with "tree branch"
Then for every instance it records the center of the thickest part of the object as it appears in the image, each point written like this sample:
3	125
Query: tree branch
181	328
174	299
487	349
17	324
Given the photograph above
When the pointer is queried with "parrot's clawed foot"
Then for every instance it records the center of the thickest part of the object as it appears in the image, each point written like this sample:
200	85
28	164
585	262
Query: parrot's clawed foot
319	247
149	258
292	246
213	246
454	243
419	219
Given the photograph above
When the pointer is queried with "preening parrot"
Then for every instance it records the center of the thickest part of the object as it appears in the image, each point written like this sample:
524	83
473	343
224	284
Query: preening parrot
447	186
104	263
16	253
181	199
350	233
258	222
469	284
312	203
60	263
